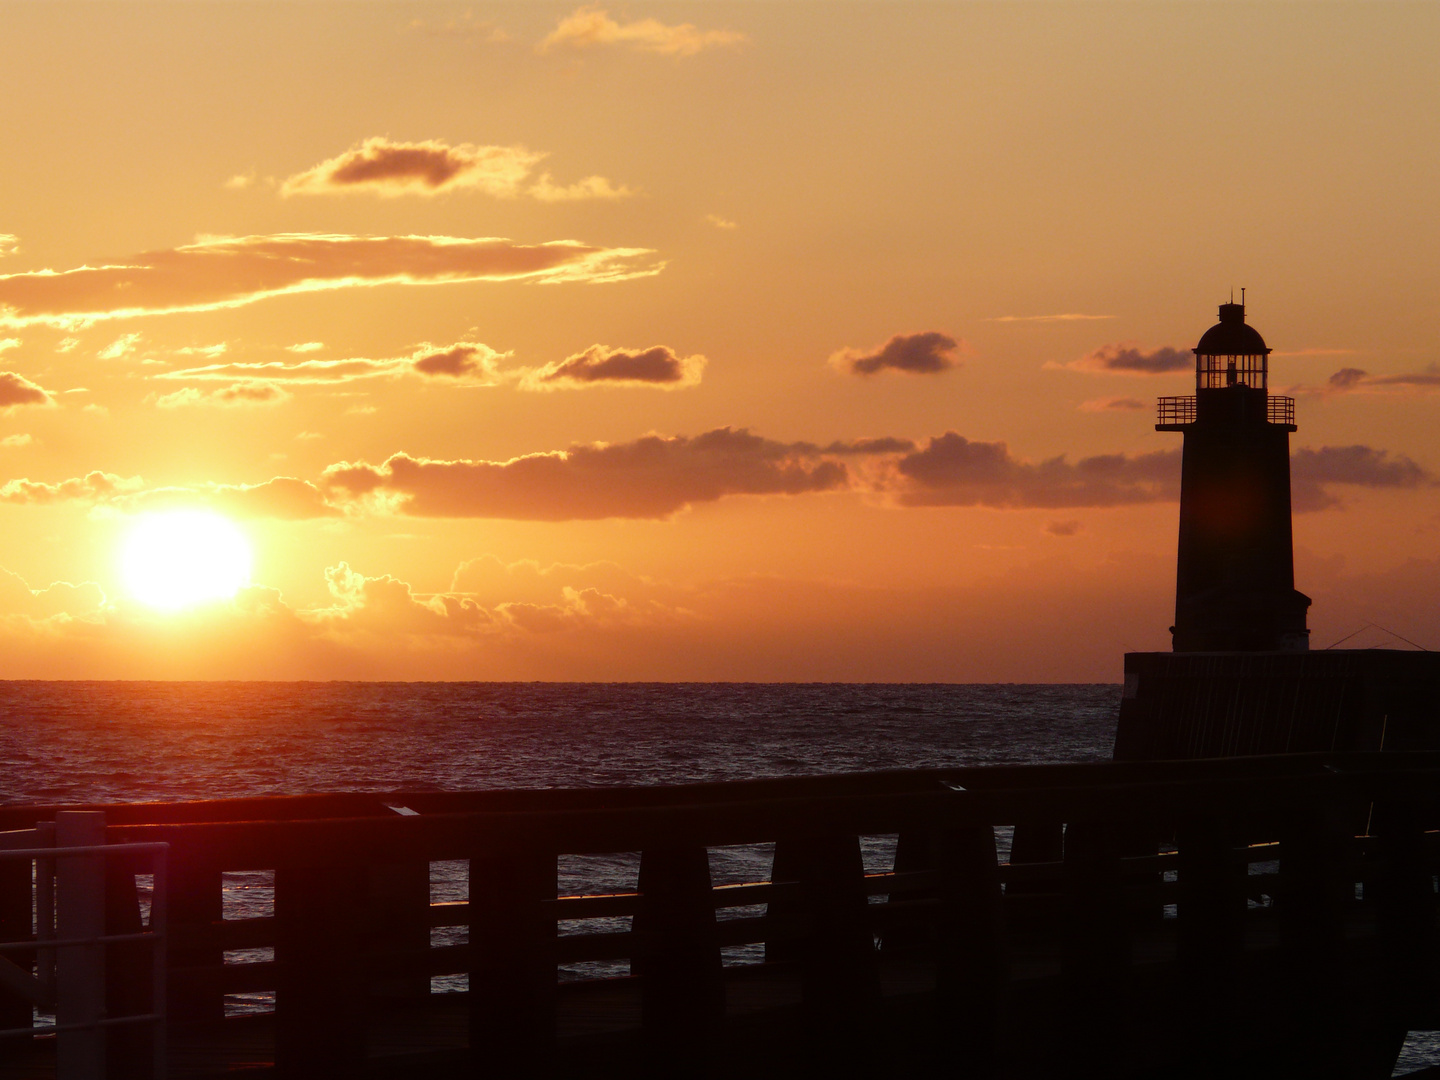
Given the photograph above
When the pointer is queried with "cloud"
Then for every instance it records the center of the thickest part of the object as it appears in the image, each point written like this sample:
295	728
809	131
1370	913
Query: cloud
915	354
16	390
465	27
228	272
1069	316
652	477
588	27
1113	404
60	599
12	441
1357	466
951	470
9	343
284	497
1128	359
1354	380
306	347
433	167
598	365
92	487
124	345
208	351
9	244
258	393
720	222
1063	528
240	181
464	361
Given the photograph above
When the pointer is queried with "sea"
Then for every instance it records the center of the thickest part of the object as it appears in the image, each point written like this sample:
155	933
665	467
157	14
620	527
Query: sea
87	742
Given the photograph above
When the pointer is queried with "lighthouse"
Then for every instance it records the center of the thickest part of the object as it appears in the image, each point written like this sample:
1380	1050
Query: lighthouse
1240	678
1235	567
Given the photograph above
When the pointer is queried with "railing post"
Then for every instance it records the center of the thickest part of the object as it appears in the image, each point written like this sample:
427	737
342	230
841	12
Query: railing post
80	969
513	960
196	898
129	985
1210	918
678	960
15	900
840	982
1095	948
972	957
321	997
1312	852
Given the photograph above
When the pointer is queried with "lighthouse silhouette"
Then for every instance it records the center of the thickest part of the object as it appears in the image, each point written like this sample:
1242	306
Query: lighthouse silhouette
1241	679
1235	567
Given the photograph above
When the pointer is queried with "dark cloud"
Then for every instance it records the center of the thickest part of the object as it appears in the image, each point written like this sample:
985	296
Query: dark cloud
1354	380
952	470
657	366
916	354
1063	528
233	271
464	360
18	390
1128	359
882	445
1357	466
652	477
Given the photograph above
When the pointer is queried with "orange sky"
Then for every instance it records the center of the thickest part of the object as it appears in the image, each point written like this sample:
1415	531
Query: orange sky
697	341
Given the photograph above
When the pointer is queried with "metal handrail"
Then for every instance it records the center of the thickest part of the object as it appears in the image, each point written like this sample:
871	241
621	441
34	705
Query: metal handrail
1176	410
45	946
1280	410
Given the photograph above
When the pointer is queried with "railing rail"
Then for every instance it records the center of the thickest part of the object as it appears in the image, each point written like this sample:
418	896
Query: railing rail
1107	861
1176	410
68	907
1280	409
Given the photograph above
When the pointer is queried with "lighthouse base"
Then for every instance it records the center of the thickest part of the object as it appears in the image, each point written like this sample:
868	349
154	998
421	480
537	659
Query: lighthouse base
1207	705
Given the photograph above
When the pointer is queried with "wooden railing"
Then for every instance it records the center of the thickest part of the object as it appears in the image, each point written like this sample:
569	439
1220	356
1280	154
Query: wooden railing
1275	912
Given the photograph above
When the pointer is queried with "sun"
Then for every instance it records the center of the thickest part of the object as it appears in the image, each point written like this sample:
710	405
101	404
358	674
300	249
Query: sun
180	558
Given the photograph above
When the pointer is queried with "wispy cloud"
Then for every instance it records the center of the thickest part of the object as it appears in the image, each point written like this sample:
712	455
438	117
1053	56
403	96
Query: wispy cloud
228	272
598	365
9	244
432	167
465	27
928	353
1113	404
92	487
589	27
13	441
241	394
1312	471
1068	316
720	222
465	361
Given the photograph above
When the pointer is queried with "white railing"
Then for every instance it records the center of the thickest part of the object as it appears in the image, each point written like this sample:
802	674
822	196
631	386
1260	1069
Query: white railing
68	905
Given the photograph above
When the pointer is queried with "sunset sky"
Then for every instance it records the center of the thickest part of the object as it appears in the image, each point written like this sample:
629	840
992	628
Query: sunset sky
752	341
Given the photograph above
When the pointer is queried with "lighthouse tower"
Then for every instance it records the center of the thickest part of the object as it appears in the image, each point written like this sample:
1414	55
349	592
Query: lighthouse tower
1240	678
1235	571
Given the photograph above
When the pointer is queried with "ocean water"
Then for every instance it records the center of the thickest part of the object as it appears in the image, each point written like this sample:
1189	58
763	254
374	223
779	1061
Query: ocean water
139	741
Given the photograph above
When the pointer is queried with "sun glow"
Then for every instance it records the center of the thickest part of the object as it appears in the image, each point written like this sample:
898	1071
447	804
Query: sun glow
184	557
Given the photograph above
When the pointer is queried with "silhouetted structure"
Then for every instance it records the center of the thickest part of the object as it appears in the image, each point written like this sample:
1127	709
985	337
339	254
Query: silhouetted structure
1240	679
1235	574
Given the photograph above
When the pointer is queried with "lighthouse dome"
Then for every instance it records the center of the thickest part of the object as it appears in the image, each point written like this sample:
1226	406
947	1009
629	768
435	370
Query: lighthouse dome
1232	336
